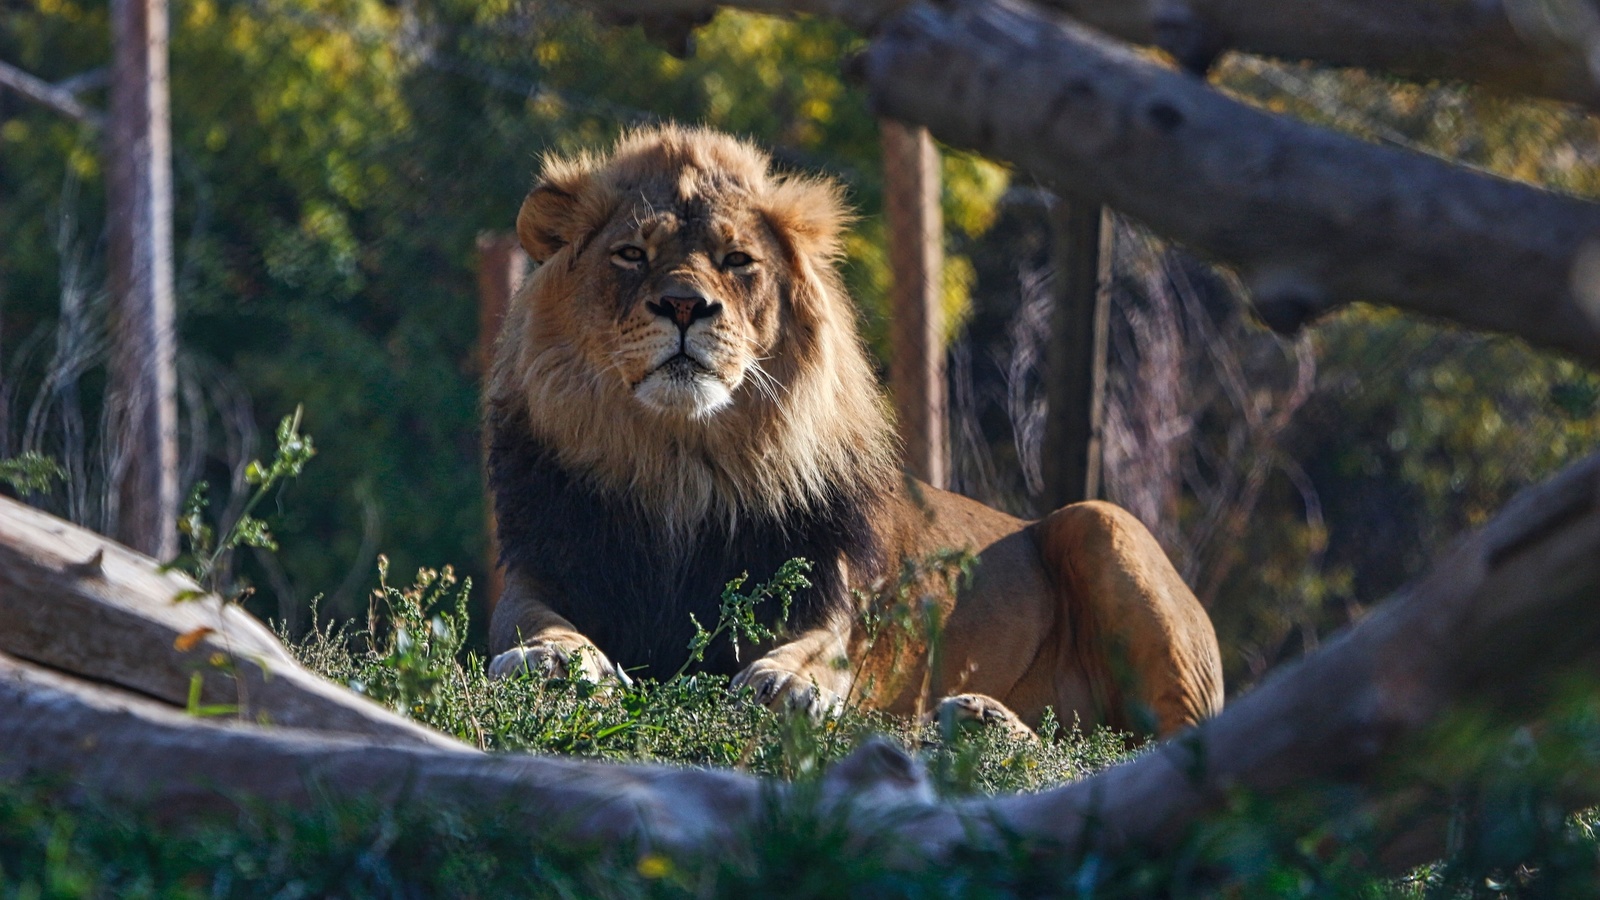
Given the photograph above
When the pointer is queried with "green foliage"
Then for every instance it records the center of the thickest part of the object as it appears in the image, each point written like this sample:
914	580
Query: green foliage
204	556
426	626
736	615
31	473
410	657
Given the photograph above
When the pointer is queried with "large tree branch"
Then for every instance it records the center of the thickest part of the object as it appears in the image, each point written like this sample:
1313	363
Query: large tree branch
1312	218
110	745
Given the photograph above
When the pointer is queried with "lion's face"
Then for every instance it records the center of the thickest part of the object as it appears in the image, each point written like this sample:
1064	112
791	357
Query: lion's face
677	266
684	303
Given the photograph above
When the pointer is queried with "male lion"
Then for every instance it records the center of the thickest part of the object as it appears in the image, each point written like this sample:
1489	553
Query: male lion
679	396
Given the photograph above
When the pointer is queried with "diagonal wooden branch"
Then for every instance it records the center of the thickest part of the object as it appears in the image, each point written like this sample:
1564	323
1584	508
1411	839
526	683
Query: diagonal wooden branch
76	602
1498	621
1313	219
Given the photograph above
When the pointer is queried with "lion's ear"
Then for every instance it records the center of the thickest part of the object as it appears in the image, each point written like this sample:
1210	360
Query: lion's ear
561	208
544	225
809	215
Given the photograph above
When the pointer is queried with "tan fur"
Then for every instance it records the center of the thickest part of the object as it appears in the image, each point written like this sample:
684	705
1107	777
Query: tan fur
1081	611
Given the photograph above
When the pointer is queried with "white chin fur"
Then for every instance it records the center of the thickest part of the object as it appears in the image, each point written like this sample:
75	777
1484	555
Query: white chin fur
696	398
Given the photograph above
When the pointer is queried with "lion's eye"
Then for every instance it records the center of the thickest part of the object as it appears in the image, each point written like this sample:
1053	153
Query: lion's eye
629	254
737	260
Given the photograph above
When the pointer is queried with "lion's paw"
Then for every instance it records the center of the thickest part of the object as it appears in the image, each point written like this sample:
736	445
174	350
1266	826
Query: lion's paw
982	710
579	660
778	688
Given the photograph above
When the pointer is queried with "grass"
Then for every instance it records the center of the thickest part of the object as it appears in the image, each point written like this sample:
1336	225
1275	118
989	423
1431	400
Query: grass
410	656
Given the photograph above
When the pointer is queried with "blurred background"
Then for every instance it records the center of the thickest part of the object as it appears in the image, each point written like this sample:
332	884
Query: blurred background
336	161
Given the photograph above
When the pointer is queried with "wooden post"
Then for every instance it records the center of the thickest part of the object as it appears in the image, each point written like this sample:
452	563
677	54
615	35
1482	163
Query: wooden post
502	265
916	257
143	394
1076	357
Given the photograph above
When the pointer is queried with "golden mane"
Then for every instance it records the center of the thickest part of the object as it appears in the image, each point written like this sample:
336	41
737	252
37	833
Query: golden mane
809	422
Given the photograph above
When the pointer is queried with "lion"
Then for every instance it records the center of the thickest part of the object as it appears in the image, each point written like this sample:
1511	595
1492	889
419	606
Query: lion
680	395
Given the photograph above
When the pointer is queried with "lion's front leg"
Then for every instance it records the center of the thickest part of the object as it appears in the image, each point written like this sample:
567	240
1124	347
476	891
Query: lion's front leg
810	673
527	636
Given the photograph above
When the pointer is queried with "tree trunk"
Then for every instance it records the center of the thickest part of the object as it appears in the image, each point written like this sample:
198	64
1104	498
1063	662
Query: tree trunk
916	299
1075	360
144	380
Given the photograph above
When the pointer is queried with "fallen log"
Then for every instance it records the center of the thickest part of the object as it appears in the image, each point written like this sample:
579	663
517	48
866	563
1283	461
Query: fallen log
1495	623
112	745
1506	45
79	603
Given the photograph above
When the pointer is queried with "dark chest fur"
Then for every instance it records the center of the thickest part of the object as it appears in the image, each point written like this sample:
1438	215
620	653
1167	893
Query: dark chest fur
606	566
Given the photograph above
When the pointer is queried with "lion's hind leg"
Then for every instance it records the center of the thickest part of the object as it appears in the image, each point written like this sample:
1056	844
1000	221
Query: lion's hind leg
1137	630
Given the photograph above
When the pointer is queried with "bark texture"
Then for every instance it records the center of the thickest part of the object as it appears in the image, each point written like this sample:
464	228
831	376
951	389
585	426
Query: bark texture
76	602
1312	219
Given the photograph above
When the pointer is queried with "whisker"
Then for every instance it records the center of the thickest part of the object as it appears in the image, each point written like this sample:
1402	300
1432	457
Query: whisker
764	382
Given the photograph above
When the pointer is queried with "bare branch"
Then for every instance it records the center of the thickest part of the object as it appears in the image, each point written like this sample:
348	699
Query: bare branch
60	98
1313	219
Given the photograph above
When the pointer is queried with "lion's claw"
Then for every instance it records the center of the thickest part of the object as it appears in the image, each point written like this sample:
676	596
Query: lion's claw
778	688
558	659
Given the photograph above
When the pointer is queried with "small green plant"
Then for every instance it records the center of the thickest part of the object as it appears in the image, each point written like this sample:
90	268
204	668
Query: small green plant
737	615
204	558
31	473
416	639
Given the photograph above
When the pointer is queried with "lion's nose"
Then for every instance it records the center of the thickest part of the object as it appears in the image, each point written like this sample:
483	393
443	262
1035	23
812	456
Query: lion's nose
684	311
